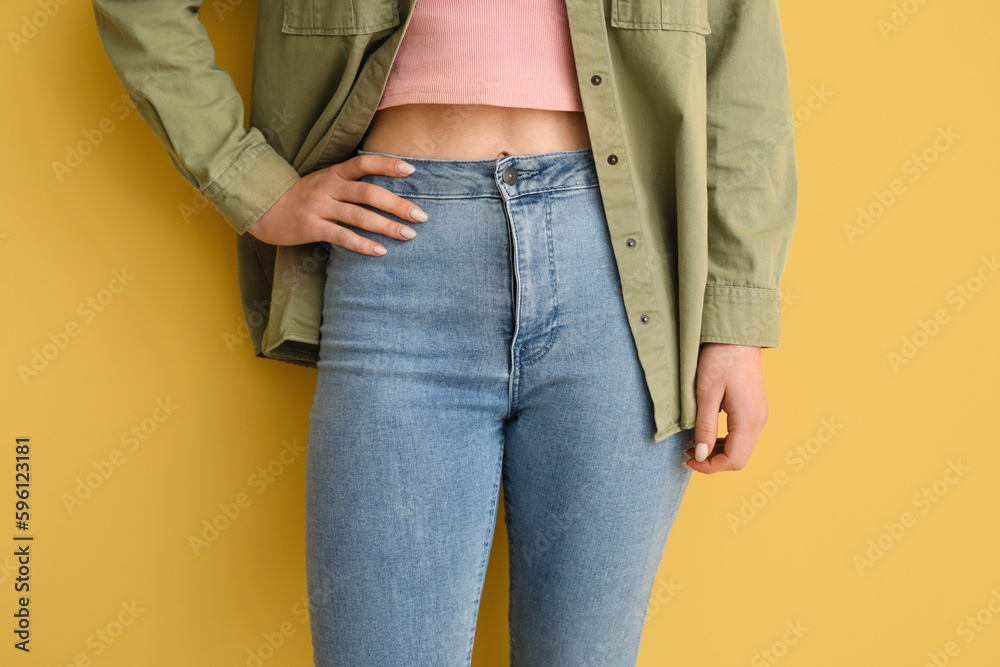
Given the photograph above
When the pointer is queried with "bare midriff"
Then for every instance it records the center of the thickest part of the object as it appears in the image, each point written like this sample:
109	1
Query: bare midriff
473	131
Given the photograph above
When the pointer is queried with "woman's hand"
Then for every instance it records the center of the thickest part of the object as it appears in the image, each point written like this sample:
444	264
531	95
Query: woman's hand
730	378
317	206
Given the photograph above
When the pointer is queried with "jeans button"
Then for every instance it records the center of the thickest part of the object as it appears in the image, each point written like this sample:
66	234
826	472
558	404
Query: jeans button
510	175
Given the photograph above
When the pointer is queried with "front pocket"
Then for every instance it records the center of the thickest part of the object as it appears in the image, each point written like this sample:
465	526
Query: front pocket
338	17
690	15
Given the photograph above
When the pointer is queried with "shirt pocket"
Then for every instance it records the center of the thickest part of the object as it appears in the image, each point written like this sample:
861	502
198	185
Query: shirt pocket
689	15
338	17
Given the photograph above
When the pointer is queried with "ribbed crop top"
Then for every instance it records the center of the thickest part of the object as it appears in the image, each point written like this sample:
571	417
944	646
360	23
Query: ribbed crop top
516	53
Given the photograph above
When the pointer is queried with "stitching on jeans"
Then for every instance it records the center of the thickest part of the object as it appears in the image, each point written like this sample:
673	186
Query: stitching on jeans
556	311
491	524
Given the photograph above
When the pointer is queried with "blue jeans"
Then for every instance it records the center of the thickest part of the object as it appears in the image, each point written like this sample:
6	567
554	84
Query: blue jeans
494	347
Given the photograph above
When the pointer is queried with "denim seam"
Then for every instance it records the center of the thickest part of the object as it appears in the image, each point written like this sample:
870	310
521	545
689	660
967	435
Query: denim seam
556	312
516	287
487	544
491	196
512	541
568	188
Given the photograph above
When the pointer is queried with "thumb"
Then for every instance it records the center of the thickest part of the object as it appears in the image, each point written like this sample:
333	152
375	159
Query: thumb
706	427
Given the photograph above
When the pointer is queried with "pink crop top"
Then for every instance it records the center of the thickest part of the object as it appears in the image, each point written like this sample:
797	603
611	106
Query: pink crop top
513	54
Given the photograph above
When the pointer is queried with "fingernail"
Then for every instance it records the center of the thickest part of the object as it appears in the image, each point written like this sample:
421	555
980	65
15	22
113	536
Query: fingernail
407	232
380	249
405	167
417	214
685	464
701	451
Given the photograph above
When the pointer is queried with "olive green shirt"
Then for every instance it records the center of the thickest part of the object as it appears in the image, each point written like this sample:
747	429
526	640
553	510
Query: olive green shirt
688	107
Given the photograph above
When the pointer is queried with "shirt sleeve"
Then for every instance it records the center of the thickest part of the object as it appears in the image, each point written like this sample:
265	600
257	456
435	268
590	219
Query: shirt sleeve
166	62
752	180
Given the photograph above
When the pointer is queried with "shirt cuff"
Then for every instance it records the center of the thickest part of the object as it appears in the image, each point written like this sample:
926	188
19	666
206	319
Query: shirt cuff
741	316
251	186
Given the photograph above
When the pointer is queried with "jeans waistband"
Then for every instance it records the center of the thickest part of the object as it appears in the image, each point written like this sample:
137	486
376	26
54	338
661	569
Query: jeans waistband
538	172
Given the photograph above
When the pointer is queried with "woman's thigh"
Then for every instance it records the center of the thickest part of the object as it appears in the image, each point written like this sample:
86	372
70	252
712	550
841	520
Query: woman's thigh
589	496
406	439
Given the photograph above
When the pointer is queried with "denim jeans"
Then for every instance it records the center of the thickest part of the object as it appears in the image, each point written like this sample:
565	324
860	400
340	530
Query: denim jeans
494	347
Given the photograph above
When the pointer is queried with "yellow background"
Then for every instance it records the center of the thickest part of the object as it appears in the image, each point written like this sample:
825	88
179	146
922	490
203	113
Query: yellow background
727	593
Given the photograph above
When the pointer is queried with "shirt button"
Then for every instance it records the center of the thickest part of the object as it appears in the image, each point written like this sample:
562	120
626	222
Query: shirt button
612	159
630	243
510	175
644	319
596	79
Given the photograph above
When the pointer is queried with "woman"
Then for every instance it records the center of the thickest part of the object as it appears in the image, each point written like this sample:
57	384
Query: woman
500	313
